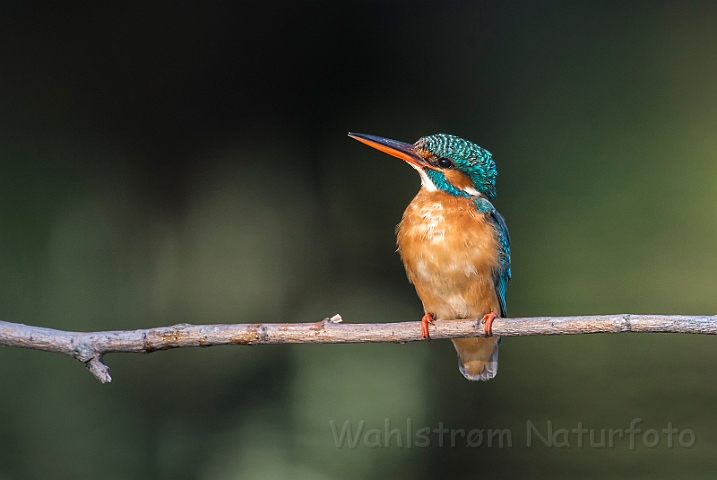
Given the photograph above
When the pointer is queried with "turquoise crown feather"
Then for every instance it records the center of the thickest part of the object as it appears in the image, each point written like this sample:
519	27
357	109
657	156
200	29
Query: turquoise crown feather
474	161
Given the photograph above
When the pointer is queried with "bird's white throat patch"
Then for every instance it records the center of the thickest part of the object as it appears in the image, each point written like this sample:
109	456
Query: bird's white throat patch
425	180
431	187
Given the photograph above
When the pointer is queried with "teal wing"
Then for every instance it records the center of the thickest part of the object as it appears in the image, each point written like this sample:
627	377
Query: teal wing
501	275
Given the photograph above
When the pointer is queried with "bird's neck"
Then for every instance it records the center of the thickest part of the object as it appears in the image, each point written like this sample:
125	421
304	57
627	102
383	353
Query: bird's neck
440	182
452	182
452	198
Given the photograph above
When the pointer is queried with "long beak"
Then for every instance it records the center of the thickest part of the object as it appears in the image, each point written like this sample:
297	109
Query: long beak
405	151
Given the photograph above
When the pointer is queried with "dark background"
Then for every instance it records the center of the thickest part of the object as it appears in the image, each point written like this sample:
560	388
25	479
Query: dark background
188	162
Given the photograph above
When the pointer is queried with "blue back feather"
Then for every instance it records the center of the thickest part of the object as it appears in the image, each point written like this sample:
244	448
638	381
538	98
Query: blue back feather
502	274
501	277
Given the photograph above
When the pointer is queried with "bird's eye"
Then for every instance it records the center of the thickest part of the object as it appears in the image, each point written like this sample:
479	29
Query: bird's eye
444	163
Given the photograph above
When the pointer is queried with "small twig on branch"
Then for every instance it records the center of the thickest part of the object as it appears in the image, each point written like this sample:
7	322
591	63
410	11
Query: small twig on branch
90	347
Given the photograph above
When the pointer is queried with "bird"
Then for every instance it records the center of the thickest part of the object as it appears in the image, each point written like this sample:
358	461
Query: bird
454	244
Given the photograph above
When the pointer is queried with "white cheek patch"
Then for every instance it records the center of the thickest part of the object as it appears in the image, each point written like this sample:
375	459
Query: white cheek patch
472	192
425	181
431	187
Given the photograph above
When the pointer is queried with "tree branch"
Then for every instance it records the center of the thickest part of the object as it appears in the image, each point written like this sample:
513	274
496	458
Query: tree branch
90	347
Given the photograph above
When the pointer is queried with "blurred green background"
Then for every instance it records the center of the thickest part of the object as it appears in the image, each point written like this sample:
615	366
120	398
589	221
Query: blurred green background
188	162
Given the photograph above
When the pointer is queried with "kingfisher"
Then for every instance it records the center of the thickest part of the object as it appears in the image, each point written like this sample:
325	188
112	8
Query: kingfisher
453	242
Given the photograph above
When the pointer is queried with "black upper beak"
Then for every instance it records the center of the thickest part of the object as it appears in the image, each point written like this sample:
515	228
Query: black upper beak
405	151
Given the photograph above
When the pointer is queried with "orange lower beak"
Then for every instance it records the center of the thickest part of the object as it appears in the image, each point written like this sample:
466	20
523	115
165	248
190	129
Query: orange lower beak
405	151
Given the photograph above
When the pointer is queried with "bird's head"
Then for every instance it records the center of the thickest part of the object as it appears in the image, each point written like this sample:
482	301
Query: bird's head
445	162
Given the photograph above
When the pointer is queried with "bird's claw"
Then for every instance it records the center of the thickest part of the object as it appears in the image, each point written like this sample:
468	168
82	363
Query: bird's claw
425	322
487	321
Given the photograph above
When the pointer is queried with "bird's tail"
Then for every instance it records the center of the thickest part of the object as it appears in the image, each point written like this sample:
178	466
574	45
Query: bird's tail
477	357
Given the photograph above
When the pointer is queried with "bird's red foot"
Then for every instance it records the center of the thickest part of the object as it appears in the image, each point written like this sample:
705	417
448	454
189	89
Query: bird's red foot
488	322
425	322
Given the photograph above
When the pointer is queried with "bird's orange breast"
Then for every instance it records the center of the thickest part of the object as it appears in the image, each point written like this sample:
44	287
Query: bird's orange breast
450	251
